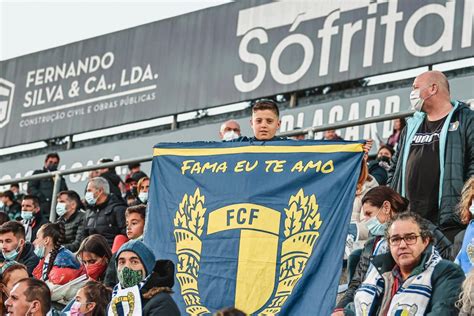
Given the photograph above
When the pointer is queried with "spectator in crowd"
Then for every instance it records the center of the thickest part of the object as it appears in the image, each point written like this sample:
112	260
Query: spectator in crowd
43	189
95	254
11	207
466	299
132	183
15	188
91	300
265	122
136	263
70	212
112	178
133	168
143	186
57	264
431	285
135	221
106	213
435	155
331	134
10	273
464	241
379	167
15	247
32	218
301	136
229	130
398	126
29	297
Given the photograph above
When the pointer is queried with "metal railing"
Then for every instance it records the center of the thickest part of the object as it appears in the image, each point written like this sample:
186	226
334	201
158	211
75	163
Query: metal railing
56	175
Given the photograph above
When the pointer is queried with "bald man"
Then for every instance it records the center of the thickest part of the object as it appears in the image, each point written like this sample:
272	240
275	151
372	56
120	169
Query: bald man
230	130
435	154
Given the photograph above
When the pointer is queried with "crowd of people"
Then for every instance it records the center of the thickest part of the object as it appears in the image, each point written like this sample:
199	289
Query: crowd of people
413	212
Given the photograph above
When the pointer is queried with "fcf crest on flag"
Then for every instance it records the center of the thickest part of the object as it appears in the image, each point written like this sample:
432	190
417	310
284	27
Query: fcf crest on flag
259	226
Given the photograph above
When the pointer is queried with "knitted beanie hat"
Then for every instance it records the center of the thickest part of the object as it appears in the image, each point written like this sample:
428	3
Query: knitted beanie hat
143	252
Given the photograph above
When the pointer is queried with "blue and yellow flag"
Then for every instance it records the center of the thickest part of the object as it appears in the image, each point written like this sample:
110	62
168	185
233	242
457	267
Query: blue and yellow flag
259	226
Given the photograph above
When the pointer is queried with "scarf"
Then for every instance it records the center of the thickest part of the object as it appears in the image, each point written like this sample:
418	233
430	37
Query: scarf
126	301
411	298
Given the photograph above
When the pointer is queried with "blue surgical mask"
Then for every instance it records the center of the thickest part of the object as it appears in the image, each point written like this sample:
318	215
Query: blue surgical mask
12	255
61	209
26	215
143	196
375	227
39	251
90	199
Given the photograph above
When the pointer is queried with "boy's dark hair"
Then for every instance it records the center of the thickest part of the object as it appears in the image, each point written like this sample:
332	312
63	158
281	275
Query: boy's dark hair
387	147
266	105
13	227
139	209
52	155
9	194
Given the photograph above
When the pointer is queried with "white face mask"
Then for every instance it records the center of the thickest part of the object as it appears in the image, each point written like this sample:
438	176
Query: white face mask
471	209
143	196
416	101
230	135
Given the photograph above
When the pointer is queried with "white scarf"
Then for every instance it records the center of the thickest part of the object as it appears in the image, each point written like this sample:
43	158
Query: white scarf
411	298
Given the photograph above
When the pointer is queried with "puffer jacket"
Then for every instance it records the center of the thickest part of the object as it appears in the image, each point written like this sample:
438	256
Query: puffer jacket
456	148
74	226
106	219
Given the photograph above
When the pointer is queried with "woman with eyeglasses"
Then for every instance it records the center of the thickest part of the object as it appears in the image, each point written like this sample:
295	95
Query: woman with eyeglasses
380	205
91	300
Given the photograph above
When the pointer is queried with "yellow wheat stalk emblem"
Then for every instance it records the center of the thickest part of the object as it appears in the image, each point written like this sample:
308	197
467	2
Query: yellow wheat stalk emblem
189	222
302	222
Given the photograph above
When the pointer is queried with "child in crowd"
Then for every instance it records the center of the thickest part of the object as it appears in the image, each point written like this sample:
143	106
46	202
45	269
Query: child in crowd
91	300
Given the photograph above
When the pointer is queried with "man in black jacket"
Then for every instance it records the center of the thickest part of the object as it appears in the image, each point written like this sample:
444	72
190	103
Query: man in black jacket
69	211
43	189
106	213
15	247
11	207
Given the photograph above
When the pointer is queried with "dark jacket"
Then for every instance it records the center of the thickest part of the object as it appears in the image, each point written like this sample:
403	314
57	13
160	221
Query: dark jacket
378	172
106	219
26	257
442	244
111	278
74	226
457	135
43	189
446	281
13	211
162	304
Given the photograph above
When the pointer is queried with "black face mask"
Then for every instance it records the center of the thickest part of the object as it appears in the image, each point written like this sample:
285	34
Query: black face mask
384	159
52	167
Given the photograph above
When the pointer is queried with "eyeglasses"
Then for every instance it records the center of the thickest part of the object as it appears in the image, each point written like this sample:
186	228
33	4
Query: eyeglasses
409	240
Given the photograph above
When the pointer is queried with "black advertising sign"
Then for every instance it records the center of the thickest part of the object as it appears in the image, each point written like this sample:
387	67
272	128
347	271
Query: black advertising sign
222	55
